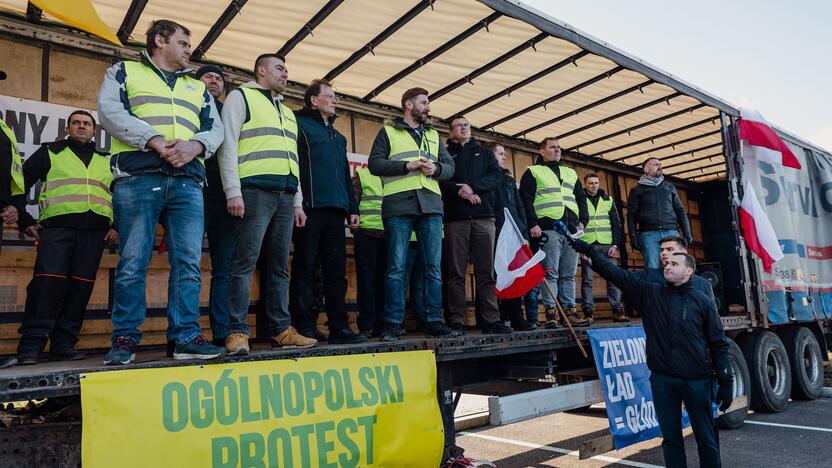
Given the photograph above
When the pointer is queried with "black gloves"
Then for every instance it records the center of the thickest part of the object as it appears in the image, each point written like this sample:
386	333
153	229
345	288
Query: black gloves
634	243
725	395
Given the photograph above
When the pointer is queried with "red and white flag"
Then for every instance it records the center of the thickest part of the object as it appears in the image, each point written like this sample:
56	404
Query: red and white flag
764	142
518	271
759	234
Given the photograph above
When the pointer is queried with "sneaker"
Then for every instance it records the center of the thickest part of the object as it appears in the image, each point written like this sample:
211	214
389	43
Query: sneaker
551	315
618	316
437	328
314	333
66	354
458	328
236	344
533	325
198	348
291	339
392	332
368	333
346	336
496	328
122	352
575	318
7	361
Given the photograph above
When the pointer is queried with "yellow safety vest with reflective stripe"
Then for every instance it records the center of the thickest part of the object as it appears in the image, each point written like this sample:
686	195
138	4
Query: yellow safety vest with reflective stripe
404	148
552	195
369	207
16	168
174	113
268	143
599	228
72	187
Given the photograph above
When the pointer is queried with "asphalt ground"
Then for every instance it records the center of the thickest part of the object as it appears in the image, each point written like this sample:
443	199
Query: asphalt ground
801	436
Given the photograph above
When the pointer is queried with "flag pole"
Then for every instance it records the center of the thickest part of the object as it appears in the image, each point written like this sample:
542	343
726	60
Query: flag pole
564	317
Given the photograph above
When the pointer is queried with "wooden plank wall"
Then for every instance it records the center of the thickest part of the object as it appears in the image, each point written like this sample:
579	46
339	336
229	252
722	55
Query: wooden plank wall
73	79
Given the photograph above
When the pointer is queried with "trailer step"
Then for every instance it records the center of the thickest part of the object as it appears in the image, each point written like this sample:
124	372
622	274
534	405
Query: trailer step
522	406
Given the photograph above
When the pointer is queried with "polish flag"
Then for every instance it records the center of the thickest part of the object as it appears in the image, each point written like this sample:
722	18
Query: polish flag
764	142
759	234
518	271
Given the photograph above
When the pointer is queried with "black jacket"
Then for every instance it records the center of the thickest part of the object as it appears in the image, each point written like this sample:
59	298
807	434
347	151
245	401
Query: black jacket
36	168
685	337
656	208
322	159
617	235
507	196
213	190
477	167
528	186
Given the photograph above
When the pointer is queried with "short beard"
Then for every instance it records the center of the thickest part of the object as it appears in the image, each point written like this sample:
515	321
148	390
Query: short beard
419	117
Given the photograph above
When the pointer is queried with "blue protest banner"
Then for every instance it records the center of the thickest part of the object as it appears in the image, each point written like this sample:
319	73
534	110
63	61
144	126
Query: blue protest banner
621	360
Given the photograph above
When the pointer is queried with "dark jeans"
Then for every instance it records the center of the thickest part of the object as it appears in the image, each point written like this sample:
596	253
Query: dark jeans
57	297
370	262
322	236
414	278
268	219
613	293
219	226
669	393
472	238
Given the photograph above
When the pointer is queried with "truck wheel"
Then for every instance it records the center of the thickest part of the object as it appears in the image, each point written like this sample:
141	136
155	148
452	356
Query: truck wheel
806	362
742	387
768	366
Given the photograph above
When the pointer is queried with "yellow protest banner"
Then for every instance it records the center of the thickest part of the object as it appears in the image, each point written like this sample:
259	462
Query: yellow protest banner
345	411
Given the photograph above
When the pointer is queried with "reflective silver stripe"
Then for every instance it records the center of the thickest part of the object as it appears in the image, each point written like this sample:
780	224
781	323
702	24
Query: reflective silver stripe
405	155
75	198
569	186
291	135
370	212
600	229
168	120
548	205
545	191
139	100
53	184
16	167
390	179
366	198
266	131
569	198
276	154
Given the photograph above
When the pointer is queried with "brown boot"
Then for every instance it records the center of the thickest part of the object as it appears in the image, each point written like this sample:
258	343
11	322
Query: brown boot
552	318
290	338
237	344
618	316
575	318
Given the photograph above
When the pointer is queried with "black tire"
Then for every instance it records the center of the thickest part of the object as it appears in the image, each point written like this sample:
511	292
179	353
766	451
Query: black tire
742	387
806	362
768	366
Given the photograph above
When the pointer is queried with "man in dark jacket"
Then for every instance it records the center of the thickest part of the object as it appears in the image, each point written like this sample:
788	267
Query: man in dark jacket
508	197
654	211
553	192
469	226
328	198
686	350
668	247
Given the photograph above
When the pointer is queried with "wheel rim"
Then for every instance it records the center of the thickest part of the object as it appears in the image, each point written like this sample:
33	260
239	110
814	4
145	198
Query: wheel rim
810	364
776	371
739	383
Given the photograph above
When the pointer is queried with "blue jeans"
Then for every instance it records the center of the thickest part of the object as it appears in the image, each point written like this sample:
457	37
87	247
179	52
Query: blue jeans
397	230
648	242
219	226
414	277
139	202
561	264
267	222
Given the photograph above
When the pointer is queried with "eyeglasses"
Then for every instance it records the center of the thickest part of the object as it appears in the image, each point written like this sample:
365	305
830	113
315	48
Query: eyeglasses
330	96
462	125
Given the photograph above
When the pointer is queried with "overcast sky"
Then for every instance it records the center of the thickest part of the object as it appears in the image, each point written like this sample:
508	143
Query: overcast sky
773	56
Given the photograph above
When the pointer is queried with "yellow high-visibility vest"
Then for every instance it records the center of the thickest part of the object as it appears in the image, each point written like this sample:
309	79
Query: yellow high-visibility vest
72	187
404	148
369	207
16	169
599	228
552	195
268	143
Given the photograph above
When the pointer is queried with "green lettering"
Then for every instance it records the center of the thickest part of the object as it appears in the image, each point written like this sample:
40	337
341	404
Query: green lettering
352	457
384	387
370	397
174	407
303	433
351	401
252	451
226	399
280	435
333	390
324	446
270	397
368	422
399	387
223	452
313	384
245	411
202	406
293	397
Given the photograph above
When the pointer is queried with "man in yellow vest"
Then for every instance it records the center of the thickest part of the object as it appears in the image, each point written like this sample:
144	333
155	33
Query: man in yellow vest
370	252
11	174
409	157
259	170
552	192
73	227
603	233
164	123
